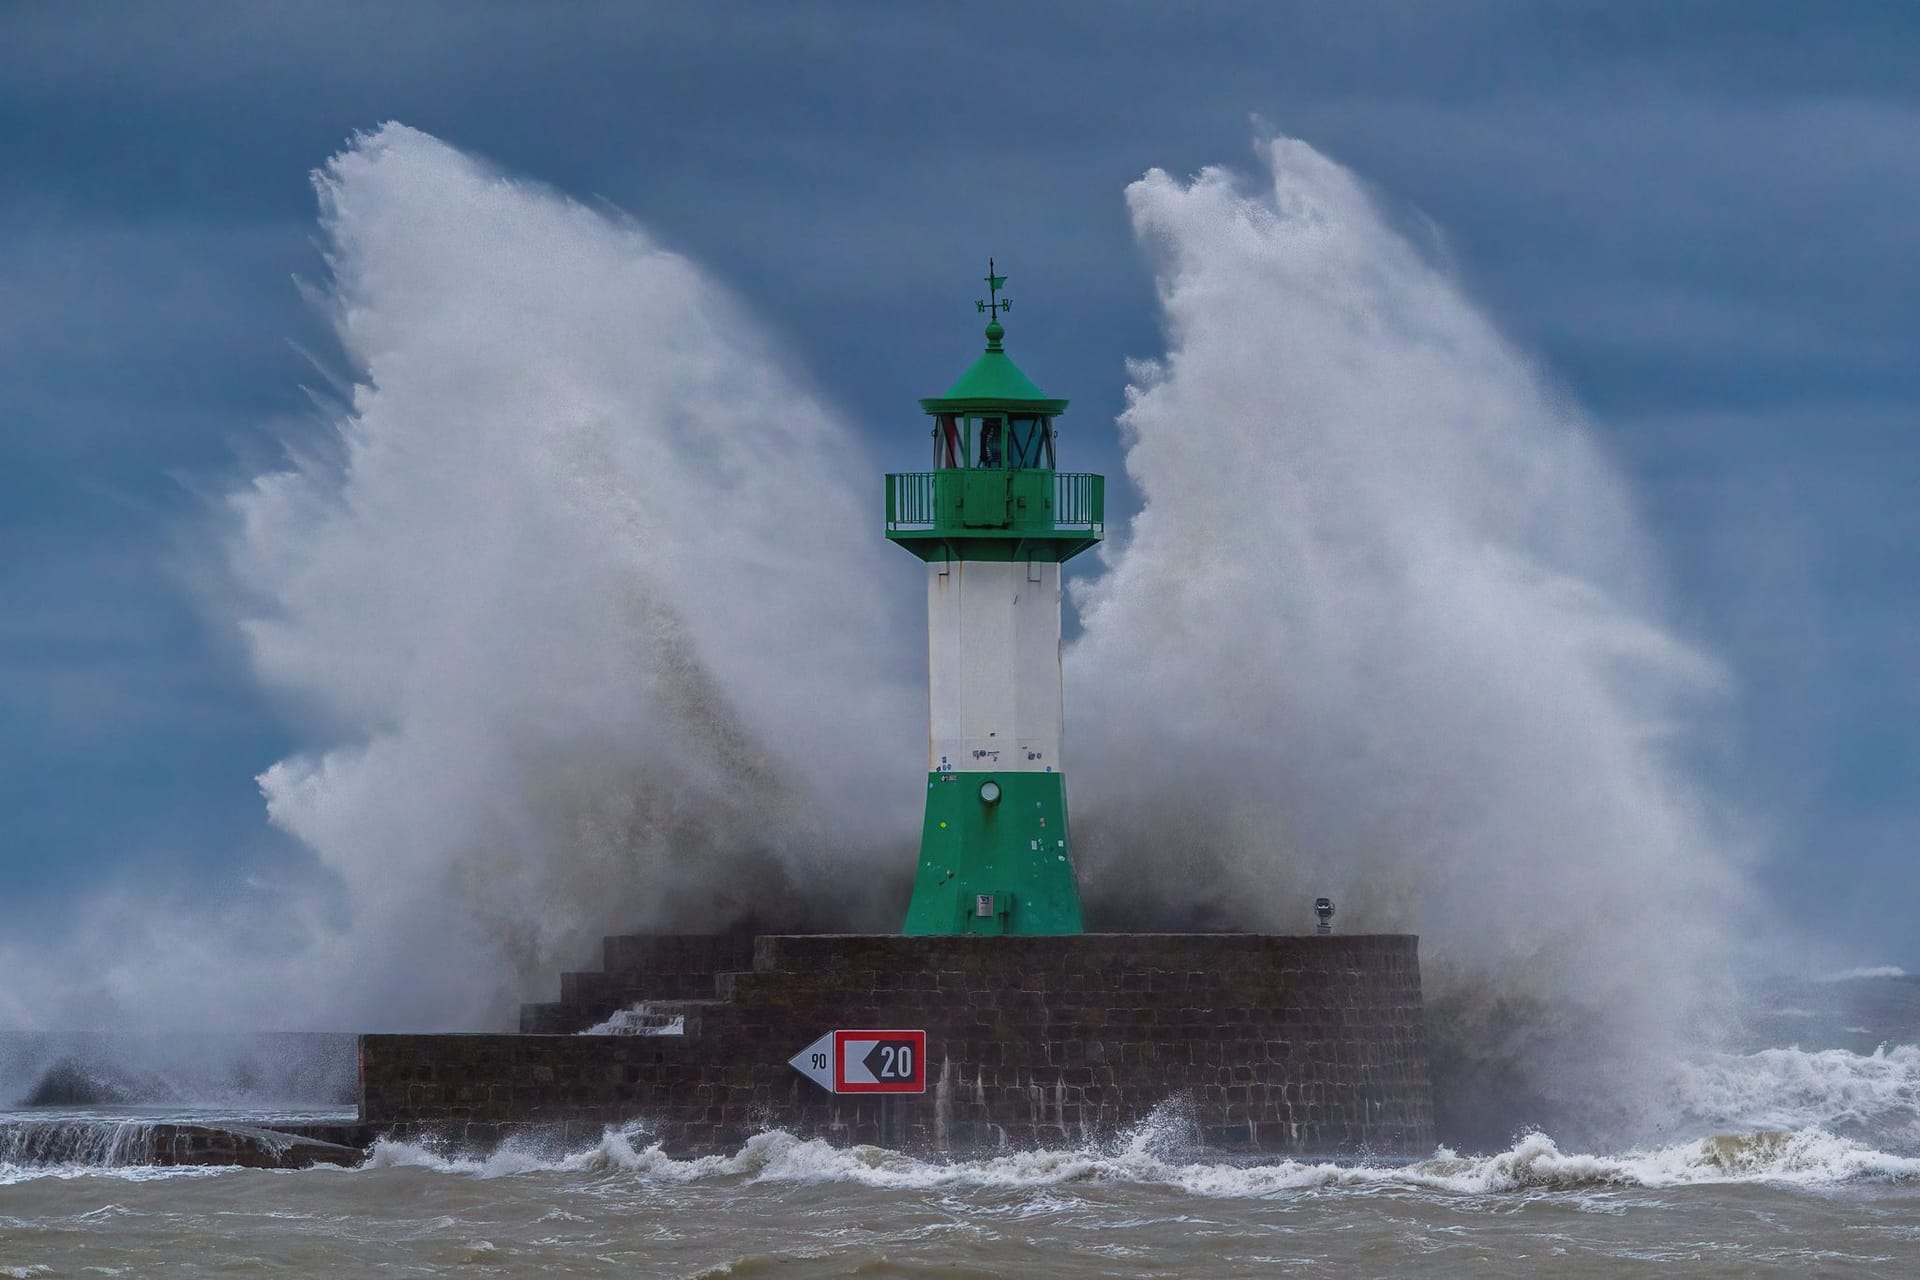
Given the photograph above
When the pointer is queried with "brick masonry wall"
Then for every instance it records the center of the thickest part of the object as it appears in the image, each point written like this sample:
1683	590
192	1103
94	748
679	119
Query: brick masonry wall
1301	1045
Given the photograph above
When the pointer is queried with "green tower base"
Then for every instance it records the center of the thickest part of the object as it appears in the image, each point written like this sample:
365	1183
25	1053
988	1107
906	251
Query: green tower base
995	867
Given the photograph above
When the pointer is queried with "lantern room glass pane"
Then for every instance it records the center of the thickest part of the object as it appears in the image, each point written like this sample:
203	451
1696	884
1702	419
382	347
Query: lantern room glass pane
992	433
1027	443
949	445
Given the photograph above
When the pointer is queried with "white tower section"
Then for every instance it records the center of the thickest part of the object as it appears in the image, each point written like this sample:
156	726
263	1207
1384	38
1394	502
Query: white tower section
993	651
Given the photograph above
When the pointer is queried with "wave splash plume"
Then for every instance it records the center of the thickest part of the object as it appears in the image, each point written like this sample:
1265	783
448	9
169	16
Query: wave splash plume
575	596
584	568
1386	628
555	589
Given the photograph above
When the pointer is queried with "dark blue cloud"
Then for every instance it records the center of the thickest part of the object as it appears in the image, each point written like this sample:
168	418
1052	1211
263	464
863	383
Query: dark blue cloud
1699	215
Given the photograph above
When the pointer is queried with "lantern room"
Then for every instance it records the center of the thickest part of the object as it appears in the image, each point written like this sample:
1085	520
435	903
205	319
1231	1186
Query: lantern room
995	476
993	418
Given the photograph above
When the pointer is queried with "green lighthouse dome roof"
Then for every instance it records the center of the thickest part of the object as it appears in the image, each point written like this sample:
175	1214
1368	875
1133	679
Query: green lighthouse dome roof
994	381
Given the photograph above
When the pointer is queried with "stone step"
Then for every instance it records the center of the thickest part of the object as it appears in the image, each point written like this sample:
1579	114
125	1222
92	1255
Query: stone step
562	1019
587	987
587	1001
639	968
675	958
664	1018
642	970
548	1019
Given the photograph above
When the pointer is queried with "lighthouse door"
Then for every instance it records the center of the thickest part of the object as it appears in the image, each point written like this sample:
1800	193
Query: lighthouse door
984	500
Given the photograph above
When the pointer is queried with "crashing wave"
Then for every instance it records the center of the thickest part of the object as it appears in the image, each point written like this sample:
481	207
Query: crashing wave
1874	1095
1809	1157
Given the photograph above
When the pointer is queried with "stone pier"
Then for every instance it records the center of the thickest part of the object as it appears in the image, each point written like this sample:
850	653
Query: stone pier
1259	1044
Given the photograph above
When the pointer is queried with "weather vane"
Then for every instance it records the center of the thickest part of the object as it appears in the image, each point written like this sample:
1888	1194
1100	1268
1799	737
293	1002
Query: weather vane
999	303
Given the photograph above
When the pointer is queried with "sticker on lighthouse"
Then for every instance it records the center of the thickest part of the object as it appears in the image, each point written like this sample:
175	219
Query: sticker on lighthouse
866	1062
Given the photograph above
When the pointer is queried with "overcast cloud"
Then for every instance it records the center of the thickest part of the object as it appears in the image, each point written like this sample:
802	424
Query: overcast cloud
1700	217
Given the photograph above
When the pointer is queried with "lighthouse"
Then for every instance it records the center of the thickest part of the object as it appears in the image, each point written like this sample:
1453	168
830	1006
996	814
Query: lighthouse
994	520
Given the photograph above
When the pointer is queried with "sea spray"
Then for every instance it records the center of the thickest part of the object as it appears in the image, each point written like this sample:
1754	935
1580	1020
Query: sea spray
178	1067
585	590
1874	1096
580	609
576	605
1385	628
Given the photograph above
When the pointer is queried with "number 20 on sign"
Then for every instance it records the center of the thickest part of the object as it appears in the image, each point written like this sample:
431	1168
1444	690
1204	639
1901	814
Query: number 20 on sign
866	1061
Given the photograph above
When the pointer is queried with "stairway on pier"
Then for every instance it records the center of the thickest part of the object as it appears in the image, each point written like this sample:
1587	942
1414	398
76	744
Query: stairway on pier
674	974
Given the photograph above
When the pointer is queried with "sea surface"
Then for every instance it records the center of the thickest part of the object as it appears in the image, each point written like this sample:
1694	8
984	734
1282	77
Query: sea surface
1820	1199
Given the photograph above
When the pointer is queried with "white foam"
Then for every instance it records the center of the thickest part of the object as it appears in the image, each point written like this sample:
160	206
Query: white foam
1808	1158
559	586
1795	1089
11	1174
1387	628
642	1019
623	1149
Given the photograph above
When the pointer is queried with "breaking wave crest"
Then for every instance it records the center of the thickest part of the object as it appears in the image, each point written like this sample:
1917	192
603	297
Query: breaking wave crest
1875	1095
1808	1157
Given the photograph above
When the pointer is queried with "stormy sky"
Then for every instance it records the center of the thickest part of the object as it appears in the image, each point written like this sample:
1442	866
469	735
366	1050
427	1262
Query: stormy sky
1701	218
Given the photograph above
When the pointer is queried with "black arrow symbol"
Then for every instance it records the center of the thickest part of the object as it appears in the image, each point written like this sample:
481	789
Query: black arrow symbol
890	1060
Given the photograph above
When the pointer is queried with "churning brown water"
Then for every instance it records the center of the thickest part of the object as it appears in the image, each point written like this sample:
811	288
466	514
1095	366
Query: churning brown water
1803	1204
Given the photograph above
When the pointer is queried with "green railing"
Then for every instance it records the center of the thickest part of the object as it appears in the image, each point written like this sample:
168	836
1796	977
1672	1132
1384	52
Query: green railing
913	500
979	501
1080	501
